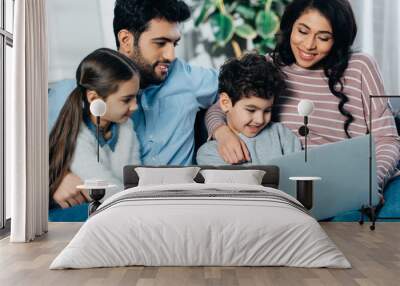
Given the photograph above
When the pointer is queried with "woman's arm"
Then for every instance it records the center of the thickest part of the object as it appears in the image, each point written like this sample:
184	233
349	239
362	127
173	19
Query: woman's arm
230	147
387	144
215	118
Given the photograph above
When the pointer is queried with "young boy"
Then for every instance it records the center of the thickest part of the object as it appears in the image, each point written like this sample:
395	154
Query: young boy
247	89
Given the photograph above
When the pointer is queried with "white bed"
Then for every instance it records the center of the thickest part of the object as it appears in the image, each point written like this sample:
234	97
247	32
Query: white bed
203	225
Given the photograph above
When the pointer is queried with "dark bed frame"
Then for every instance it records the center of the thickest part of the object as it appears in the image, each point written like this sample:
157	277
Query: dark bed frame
270	179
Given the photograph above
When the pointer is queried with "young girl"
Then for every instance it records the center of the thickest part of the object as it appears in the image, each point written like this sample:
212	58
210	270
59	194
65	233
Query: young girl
314	52
112	77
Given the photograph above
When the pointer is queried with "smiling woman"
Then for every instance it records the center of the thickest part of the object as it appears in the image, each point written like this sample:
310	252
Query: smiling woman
311	39
314	52
319	35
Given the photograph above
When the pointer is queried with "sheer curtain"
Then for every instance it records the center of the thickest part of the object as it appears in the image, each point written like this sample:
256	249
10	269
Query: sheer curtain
26	116
379	35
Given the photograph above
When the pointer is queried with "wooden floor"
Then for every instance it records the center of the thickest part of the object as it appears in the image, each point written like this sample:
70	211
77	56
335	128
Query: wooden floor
374	255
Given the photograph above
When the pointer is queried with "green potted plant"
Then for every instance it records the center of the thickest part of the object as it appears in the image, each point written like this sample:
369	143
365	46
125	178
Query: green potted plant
238	22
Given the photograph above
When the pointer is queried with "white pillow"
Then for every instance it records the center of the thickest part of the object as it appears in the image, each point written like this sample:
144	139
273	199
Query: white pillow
248	177
166	176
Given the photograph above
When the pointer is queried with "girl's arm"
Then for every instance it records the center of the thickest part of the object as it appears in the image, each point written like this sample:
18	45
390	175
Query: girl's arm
67	195
230	147
387	142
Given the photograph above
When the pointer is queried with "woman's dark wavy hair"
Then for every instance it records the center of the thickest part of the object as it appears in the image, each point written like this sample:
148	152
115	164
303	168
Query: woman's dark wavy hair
251	75
135	15
100	71
341	17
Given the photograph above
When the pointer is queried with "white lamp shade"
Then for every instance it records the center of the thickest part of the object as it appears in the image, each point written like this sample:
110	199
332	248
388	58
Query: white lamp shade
98	107
305	107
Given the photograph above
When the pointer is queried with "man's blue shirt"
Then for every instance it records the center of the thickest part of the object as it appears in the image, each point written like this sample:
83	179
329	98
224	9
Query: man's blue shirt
166	114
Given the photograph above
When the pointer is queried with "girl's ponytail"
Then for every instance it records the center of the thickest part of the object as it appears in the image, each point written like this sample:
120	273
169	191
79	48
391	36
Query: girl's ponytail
63	137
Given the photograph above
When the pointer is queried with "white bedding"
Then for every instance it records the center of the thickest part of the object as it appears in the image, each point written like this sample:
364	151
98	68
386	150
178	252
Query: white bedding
267	228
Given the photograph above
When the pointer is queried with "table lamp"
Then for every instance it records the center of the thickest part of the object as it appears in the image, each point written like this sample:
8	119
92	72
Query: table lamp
305	108
370	210
96	187
98	108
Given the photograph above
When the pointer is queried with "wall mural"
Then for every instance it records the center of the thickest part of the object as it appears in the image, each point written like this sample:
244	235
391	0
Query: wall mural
131	83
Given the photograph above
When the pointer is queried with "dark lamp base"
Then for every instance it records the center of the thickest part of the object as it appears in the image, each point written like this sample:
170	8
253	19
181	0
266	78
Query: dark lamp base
96	195
304	193
371	212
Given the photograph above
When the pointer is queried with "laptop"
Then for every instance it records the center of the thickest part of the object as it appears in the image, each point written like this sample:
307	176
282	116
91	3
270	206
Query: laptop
344	170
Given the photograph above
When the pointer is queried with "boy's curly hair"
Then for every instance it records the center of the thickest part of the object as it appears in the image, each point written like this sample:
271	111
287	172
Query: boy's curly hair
135	15
251	75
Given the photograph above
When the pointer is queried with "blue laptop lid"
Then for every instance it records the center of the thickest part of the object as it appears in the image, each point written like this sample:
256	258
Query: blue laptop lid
344	170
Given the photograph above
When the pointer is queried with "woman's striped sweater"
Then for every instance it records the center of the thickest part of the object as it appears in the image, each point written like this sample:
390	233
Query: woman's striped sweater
361	79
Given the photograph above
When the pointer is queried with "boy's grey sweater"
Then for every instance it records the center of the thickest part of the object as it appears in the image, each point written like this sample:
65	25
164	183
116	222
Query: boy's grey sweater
273	141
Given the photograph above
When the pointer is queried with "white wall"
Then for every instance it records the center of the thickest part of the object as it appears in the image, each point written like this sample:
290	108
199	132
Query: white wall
379	35
78	27
75	29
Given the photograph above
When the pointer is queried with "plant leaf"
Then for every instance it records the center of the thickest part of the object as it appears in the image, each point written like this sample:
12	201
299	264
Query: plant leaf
246	31
268	4
246	11
222	25
207	8
230	8
267	24
269	43
266	45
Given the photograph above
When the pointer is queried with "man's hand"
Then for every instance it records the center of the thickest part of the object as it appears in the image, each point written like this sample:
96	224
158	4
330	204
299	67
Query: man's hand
231	148
67	195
